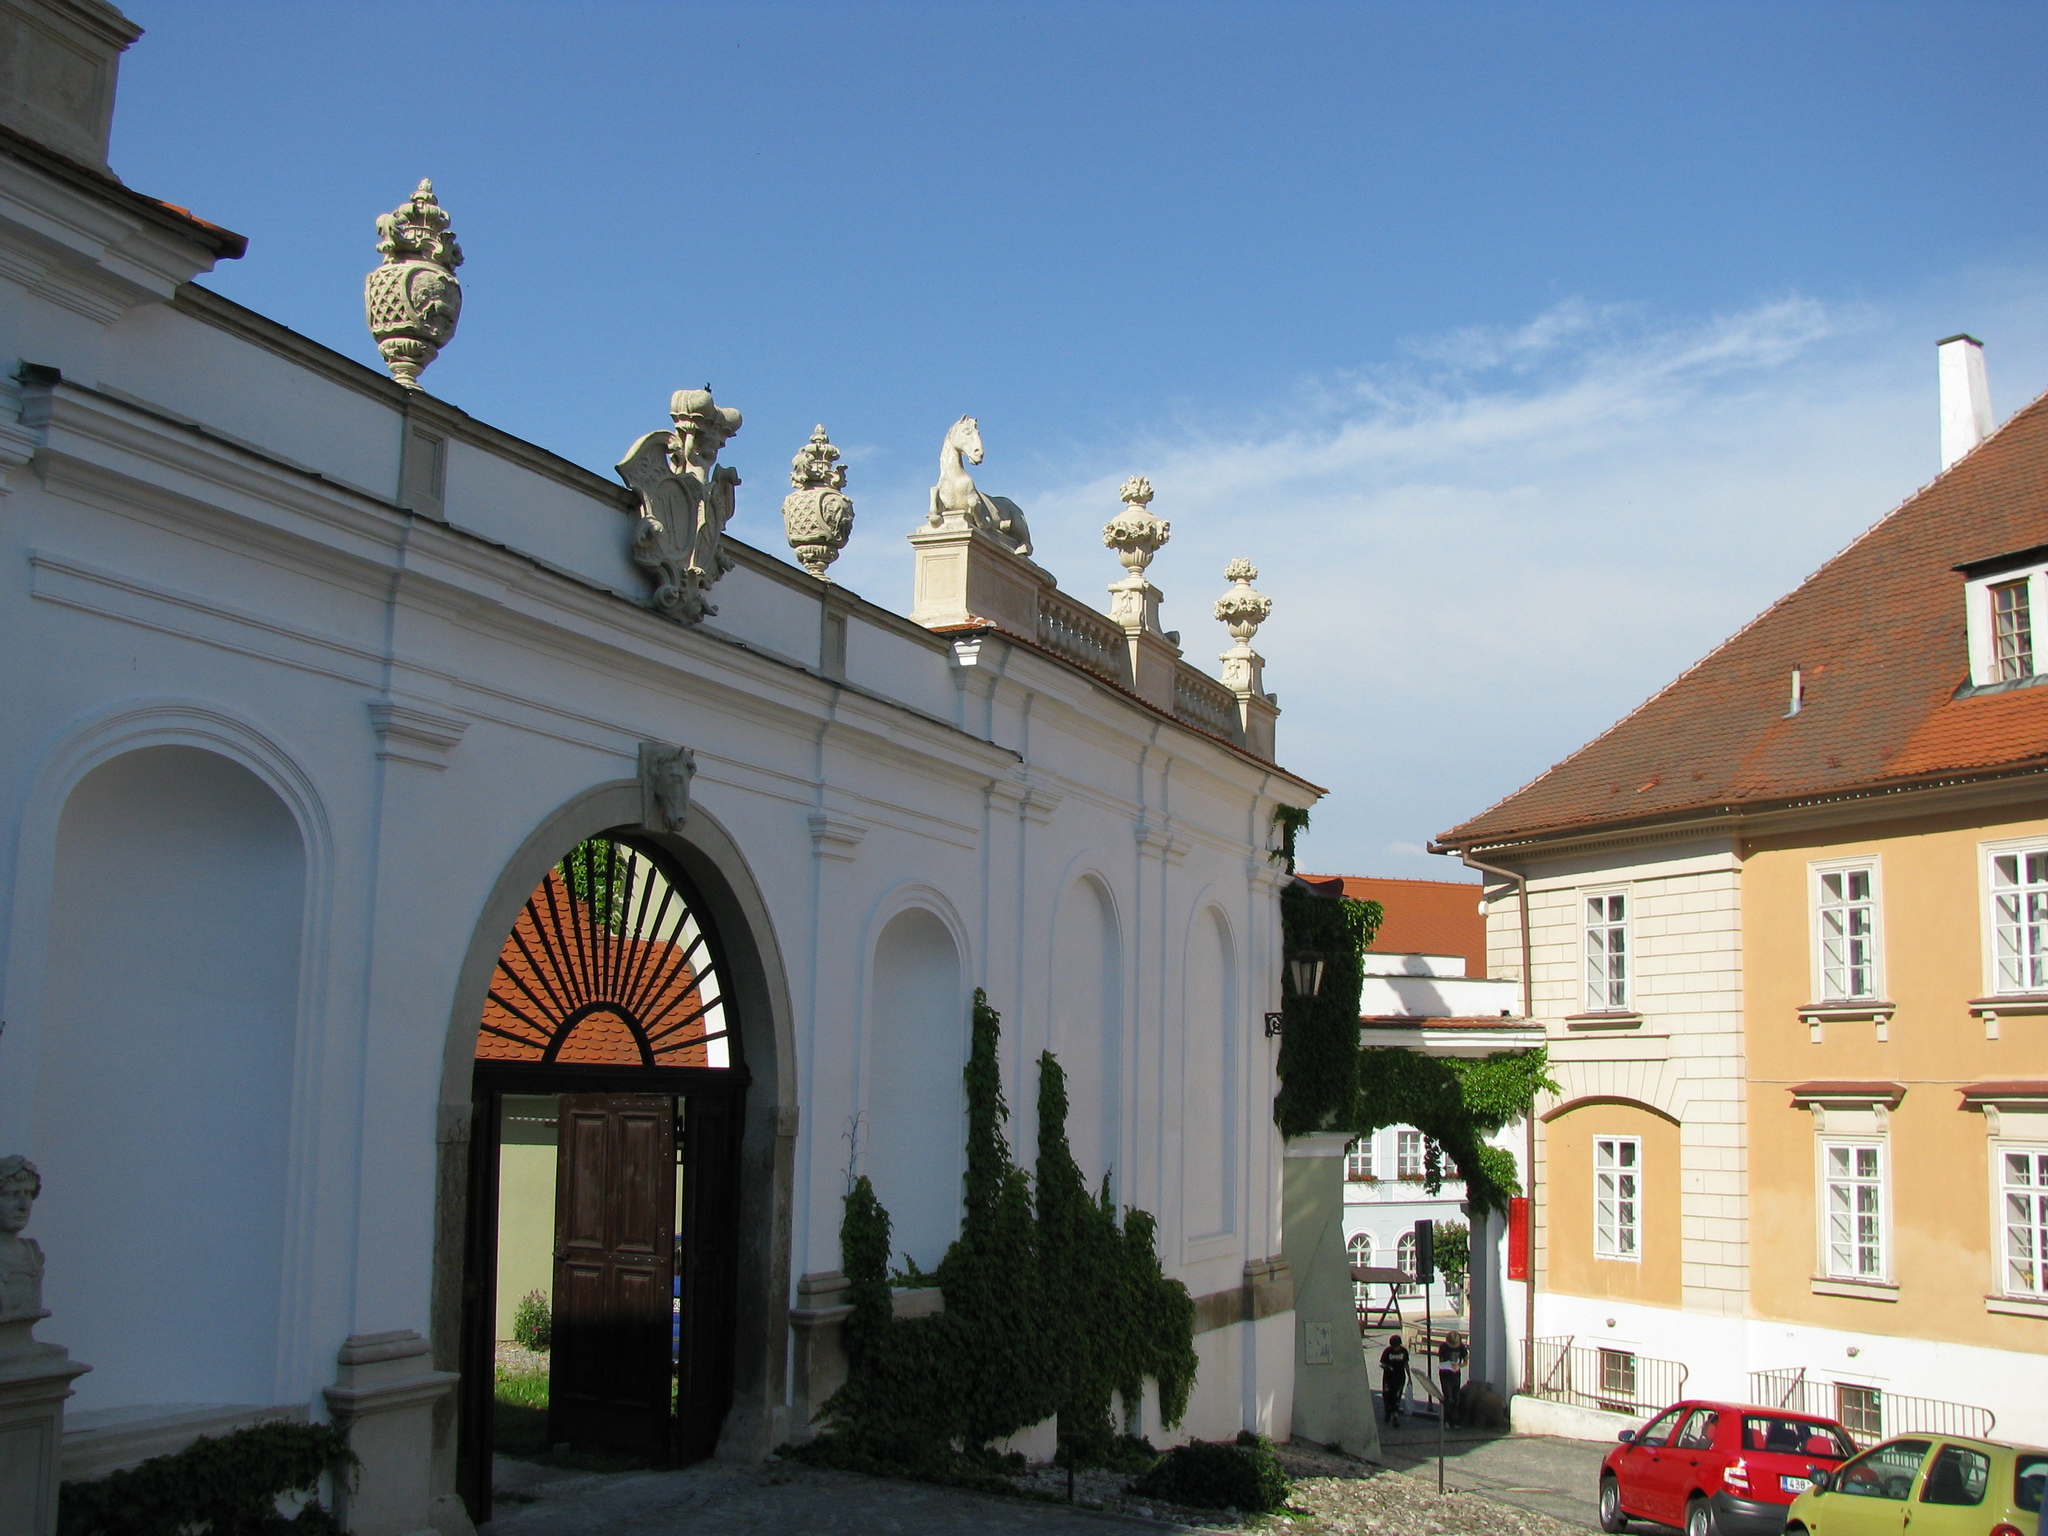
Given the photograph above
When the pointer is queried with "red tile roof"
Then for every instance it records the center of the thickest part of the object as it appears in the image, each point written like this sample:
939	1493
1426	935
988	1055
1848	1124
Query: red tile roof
1424	917
1878	633
516	1027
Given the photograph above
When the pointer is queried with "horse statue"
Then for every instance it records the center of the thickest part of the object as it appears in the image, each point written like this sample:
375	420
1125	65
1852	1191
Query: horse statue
957	495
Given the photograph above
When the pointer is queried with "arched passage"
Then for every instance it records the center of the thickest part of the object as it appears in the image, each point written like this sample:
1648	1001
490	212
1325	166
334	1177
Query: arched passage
755	1085
172	980
915	1128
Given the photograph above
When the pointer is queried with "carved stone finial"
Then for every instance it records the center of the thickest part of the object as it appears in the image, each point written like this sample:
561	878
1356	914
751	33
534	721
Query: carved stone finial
21	1261
665	774
1134	533
817	516
1136	536
686	499
956	500
1242	610
413	300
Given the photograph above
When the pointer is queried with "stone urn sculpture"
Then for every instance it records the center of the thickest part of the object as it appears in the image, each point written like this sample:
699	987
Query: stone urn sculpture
413	301
1136	536
1242	611
817	516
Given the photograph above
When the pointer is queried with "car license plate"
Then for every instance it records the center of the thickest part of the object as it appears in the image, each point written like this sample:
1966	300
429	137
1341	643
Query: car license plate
1795	1484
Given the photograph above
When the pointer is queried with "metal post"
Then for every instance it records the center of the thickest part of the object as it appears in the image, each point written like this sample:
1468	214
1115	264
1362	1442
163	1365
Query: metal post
1443	1405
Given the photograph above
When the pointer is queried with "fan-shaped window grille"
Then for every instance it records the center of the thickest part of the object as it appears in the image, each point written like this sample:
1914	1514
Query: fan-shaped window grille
608	965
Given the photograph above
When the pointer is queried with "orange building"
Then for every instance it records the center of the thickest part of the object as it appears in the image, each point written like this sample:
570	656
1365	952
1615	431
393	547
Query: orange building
1787	928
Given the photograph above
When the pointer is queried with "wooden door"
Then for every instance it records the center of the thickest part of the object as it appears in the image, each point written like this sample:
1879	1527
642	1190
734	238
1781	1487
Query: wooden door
611	1375
708	1257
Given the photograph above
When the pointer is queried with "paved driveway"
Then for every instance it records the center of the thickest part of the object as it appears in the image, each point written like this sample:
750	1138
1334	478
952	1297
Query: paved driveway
1541	1472
774	1499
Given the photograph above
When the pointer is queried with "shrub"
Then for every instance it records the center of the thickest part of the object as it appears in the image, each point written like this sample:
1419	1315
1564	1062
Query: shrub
533	1321
1216	1474
226	1486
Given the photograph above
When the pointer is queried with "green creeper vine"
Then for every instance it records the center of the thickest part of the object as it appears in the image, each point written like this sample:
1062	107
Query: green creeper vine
1328	1083
227	1485
1051	1308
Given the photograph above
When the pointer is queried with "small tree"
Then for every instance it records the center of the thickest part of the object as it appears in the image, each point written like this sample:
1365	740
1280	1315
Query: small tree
1453	1252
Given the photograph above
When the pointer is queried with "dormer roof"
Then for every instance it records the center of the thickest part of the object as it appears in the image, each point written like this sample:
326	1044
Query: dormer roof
1879	640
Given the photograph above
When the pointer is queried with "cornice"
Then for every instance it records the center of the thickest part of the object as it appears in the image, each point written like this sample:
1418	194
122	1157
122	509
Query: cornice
1959	791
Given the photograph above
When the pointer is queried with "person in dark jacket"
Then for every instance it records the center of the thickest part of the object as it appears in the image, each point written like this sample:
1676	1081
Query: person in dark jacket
1393	1378
1450	1369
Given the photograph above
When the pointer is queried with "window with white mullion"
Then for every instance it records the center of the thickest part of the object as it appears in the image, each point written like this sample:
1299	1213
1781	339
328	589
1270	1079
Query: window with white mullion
1617	1197
1409	1157
2012	632
1854	1205
2019	917
1848	934
1358	1159
1607	952
2025	1209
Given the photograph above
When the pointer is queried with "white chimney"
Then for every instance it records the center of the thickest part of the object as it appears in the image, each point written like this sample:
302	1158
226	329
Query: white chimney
1965	397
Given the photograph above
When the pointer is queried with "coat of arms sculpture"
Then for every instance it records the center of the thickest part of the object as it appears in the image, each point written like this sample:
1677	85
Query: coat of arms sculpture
686	499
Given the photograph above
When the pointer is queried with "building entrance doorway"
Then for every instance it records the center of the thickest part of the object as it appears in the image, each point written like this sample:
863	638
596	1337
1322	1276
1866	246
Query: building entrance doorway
608	1095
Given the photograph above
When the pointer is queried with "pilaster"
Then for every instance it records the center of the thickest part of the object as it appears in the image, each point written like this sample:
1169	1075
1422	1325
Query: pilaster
383	1399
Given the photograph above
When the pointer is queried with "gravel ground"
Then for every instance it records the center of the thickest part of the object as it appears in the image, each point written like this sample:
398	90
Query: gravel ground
521	1361
1342	1497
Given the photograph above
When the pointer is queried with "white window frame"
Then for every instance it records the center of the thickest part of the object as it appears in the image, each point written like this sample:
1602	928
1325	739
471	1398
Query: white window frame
1358	1159
1401	1161
1882	1184
1981	622
1607	1239
1405	1250
1819	904
2002	1228
1597	993
2034	976
1359	1298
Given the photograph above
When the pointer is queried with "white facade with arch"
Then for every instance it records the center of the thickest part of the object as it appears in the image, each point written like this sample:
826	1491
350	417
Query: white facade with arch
354	713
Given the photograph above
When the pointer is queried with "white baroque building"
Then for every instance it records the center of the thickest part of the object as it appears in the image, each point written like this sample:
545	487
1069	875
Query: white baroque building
315	681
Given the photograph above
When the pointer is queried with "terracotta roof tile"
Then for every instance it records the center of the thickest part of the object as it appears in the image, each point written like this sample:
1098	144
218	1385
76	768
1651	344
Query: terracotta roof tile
1878	633
1424	917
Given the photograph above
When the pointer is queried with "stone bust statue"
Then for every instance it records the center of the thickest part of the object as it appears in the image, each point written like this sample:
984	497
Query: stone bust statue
21	1261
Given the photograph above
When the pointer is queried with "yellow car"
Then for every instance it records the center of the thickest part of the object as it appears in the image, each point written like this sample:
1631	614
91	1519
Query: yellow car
1927	1485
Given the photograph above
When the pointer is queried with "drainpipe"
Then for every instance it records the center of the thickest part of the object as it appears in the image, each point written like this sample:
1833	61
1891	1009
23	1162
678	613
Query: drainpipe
1529	1121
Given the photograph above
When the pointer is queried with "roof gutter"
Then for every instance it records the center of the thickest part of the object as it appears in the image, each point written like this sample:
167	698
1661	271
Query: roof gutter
1529	1121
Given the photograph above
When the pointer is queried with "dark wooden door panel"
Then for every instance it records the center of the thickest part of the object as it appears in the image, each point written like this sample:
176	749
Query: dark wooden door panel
614	1259
704	1385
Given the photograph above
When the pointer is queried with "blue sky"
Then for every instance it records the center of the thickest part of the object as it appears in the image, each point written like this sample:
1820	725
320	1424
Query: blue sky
1528	350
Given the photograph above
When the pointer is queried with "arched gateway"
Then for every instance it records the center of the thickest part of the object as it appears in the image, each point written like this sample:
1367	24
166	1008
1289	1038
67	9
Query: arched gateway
609	1093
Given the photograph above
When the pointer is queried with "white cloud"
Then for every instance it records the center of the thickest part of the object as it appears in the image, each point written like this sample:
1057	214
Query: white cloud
1483	552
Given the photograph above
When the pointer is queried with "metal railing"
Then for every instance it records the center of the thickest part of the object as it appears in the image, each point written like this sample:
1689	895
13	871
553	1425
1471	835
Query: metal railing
1085	637
1595	1376
1200	700
1869	1413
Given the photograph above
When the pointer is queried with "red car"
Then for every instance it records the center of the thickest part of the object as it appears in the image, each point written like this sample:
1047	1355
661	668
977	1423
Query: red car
1717	1469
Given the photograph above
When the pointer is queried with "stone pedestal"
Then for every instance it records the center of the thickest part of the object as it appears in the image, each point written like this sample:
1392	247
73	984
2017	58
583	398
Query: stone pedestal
1154	659
34	1381
1333	1382
966	575
383	1399
818	1365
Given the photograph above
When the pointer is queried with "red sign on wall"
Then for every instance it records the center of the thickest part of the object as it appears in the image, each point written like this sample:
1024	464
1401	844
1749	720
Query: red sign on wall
1518	1237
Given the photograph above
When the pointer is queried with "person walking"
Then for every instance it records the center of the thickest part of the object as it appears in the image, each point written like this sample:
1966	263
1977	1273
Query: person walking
1393	1378
1450	1367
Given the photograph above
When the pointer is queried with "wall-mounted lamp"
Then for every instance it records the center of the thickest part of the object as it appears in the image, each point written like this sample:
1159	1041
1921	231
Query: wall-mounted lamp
1305	969
1305	972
